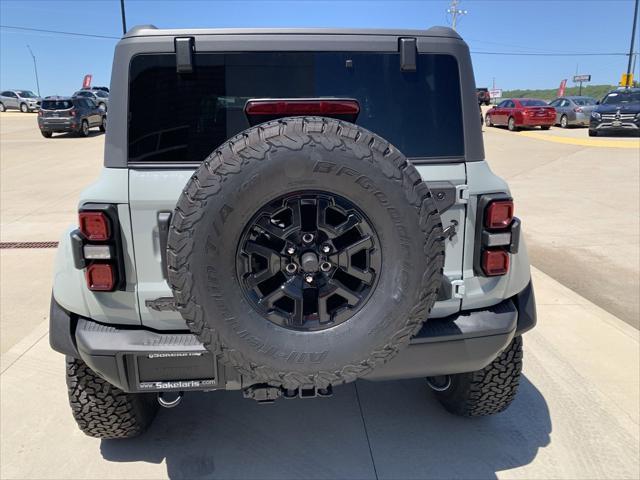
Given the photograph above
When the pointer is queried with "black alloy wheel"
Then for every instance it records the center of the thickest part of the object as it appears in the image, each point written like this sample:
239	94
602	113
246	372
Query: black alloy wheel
308	261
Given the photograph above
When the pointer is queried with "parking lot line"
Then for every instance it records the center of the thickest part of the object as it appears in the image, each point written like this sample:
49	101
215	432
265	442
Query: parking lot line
585	142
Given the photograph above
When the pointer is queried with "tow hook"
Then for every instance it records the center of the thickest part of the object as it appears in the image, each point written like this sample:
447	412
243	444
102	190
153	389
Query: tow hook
164	402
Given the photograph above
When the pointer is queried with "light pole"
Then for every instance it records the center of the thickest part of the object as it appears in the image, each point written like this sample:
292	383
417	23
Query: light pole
124	19
35	68
633	39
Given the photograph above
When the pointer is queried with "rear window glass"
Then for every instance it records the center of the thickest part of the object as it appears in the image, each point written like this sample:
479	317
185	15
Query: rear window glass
56	104
533	103
183	118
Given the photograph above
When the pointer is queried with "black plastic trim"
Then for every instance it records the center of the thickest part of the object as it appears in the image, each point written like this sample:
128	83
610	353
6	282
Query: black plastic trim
444	194
408	54
77	242
62	326
164	222
184	54
525	302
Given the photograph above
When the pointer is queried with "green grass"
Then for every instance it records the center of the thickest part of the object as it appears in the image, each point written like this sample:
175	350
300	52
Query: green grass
595	91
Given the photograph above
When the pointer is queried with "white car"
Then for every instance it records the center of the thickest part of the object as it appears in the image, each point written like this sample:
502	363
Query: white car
23	100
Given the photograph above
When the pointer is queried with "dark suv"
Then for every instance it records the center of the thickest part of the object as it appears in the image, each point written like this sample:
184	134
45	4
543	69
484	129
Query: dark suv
619	111
65	114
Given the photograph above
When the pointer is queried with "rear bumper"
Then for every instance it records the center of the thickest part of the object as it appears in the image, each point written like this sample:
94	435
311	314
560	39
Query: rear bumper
141	360
61	126
536	122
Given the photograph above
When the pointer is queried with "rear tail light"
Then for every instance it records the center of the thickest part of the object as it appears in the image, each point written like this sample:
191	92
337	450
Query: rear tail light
497	234
72	113
577	110
98	249
495	262
40	113
498	214
94	226
100	277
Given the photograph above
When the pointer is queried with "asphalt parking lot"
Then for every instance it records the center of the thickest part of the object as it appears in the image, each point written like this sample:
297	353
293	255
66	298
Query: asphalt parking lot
577	414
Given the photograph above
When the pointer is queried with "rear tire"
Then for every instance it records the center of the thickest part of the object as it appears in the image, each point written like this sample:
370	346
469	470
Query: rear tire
483	392
24	108
511	125
593	133
103	125
102	410
46	134
564	121
84	129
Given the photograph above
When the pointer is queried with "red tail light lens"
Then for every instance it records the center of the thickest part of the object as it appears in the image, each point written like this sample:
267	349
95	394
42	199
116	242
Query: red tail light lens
72	113
100	277
577	109
40	113
495	262
94	226
498	214
302	107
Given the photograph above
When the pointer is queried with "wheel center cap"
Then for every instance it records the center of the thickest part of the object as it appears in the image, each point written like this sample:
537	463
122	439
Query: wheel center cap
309	262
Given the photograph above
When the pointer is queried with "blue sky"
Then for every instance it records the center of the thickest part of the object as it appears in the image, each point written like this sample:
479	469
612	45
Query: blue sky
541	26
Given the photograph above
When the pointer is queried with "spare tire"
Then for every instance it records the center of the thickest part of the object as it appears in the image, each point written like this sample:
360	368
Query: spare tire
304	251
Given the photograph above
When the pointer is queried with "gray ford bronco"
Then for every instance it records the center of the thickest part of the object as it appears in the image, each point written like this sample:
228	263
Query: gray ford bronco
285	211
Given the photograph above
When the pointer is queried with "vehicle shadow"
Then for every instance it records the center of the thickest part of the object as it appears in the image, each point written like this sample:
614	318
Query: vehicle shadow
75	136
408	434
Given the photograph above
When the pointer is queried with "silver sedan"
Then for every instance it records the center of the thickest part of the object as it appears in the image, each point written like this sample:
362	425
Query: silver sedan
572	111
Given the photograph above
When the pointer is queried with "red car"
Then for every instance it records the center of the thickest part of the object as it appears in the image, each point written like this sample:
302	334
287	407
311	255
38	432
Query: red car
521	112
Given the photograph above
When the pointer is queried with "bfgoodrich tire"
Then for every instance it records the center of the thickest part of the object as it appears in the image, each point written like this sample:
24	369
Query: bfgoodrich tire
298	160
483	392
102	410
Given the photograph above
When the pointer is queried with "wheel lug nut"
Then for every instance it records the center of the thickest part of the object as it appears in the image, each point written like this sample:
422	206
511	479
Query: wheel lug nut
326	248
325	266
291	251
307	238
308	278
291	268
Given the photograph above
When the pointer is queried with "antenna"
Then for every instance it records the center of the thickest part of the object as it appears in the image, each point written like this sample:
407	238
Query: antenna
455	11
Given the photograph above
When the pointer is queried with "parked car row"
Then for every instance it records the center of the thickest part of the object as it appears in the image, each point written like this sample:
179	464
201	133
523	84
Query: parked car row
26	101
619	111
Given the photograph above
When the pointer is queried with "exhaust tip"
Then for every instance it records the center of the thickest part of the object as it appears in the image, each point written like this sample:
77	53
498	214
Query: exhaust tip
169	403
